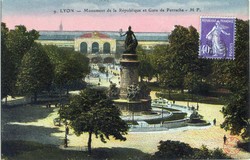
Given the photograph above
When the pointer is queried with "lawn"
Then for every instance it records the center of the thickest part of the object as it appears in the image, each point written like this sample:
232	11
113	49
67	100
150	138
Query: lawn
209	99
26	150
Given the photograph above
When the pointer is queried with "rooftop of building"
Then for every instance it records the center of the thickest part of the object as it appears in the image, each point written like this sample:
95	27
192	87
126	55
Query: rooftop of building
71	35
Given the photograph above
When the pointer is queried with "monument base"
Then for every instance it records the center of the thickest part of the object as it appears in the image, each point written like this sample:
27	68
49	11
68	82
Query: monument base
136	107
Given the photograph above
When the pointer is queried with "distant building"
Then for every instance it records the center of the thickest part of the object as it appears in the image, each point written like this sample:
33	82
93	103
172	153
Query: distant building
61	27
99	42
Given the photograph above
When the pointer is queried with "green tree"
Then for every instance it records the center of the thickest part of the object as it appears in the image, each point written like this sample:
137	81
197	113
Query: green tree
236	111
18	42
183	57
192	82
91	111
220	76
73	66
168	77
7	65
156	59
36	72
145	68
69	66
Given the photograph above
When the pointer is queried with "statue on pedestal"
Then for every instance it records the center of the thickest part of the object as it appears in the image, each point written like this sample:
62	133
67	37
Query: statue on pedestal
130	41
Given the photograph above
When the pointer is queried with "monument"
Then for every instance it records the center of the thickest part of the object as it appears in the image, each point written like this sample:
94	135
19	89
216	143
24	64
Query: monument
131	97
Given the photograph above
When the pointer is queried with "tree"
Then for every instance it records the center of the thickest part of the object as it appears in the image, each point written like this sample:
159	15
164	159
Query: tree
236	111
91	111
145	67
156	59
7	65
183	54
192	82
17	43
73	66
168	77
69	66
221	73
36	72
20	40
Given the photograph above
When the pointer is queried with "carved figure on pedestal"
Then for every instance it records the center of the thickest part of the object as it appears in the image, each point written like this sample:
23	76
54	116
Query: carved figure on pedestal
130	41
133	92
113	91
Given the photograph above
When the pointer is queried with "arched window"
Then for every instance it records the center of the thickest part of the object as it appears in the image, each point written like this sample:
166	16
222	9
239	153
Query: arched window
95	47
83	47
106	48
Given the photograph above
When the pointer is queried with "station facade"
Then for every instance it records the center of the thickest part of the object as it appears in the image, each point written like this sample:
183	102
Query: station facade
99	42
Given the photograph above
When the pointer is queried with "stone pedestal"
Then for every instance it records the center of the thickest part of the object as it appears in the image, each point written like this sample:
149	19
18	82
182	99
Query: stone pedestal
133	107
129	73
129	76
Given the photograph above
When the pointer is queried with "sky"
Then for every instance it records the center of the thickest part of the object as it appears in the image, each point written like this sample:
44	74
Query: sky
113	15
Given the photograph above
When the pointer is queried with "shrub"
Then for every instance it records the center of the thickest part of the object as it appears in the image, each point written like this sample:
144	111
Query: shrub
179	150
172	150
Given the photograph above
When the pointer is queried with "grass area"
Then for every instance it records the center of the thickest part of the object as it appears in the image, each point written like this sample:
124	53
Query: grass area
211	99
176	116
25	150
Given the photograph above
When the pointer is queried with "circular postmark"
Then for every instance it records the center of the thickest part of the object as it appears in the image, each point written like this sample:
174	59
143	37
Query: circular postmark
230	145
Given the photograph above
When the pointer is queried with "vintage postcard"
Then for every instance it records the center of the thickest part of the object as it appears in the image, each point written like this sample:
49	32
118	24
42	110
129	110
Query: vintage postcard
124	79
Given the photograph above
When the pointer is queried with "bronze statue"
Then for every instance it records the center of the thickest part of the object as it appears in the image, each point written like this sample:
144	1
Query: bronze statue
130	41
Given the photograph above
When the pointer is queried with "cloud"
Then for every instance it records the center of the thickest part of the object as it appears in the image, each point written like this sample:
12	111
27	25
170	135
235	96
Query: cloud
81	5
125	5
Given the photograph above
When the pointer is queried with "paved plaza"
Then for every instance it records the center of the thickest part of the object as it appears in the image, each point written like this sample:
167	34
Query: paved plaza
42	130
35	123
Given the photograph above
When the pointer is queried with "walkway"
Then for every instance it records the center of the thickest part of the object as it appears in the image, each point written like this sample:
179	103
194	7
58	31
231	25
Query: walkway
35	123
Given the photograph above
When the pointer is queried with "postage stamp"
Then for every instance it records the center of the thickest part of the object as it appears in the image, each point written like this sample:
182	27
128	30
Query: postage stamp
217	38
230	144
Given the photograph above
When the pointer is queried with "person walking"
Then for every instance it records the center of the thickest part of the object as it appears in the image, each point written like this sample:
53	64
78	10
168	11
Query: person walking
225	139
214	122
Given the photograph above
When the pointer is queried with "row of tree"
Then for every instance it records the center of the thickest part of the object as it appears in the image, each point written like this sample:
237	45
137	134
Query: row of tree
177	66
28	68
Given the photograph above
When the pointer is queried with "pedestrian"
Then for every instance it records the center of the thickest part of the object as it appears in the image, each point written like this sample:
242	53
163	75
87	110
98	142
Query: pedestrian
197	108
214	121
67	130
225	139
65	142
